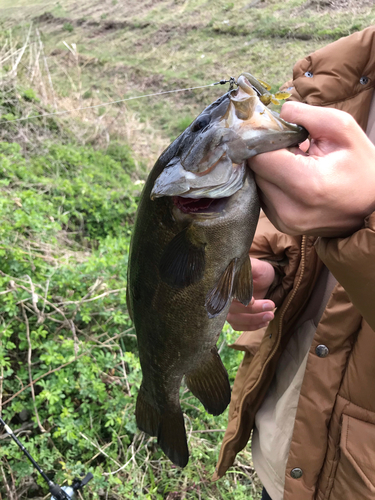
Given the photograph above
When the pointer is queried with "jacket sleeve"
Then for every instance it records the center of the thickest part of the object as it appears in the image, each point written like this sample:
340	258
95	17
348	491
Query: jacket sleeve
324	78
280	250
352	262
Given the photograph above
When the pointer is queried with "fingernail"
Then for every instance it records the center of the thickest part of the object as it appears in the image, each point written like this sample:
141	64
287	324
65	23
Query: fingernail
267	317
268	307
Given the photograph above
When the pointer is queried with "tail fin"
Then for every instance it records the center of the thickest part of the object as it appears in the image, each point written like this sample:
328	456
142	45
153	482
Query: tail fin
168	426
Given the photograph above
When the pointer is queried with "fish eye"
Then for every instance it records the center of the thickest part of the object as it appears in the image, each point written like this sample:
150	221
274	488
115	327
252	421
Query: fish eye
201	122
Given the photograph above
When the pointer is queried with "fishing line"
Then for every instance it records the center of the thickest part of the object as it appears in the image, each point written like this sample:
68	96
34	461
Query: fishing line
221	82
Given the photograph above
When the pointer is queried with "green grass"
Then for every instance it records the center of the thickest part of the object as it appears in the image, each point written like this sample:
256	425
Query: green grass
161	47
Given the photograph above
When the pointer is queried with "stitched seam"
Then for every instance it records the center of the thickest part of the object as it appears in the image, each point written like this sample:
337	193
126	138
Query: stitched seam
330	486
341	100
353	458
303	254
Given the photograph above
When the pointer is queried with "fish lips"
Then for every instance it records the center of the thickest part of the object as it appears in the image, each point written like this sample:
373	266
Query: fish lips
176	181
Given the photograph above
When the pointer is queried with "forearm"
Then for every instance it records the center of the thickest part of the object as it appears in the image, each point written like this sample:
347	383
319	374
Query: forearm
352	261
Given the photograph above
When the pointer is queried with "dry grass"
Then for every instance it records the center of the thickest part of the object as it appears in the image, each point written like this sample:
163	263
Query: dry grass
27	67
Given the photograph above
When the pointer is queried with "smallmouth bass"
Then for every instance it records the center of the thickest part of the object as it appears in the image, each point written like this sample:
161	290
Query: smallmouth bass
189	256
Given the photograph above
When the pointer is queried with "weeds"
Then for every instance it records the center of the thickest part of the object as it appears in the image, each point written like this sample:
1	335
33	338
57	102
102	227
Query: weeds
69	370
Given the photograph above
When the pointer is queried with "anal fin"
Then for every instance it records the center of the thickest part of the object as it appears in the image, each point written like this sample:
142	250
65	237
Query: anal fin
210	383
168	426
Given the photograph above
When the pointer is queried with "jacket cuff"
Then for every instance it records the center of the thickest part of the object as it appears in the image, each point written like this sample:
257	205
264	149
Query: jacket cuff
351	260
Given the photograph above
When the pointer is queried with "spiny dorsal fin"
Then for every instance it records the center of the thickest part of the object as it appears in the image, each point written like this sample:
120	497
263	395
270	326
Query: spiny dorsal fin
183	261
220	295
210	384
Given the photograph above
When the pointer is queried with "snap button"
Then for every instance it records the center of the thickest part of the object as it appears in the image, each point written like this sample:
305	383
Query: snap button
308	74
296	473
363	80
322	351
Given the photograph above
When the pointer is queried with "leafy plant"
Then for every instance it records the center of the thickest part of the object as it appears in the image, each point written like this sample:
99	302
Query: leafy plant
68	27
64	330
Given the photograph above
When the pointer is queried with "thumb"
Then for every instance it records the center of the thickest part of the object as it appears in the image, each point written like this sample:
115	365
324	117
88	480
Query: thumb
263	273
321	123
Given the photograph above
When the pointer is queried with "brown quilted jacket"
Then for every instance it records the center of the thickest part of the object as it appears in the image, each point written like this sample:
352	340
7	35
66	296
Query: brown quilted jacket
334	433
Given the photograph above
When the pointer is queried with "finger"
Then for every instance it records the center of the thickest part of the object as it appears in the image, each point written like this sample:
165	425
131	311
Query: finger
304	146
263	275
257	306
283	168
321	123
247	322
280	209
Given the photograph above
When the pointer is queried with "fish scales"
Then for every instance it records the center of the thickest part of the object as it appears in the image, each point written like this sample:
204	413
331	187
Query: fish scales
189	257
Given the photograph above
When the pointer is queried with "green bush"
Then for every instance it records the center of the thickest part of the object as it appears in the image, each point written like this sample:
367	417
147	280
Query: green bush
66	216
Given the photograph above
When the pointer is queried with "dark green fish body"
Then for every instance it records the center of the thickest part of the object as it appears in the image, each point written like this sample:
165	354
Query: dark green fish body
189	257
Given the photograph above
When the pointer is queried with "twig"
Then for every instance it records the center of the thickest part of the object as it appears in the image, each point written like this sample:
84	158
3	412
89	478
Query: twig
7	487
208	430
100	449
47	69
29	352
34	298
68	322
13	72
122	466
124	370
93	298
44	375
99	453
13	485
1	389
45	297
52	371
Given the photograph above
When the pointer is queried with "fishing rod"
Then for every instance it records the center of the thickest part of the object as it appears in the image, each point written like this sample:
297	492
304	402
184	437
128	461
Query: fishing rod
57	492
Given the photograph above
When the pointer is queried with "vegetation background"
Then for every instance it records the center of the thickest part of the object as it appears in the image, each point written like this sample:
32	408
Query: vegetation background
69	370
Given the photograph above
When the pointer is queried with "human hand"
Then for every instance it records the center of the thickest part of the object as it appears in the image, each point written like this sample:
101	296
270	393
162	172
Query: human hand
259	312
330	190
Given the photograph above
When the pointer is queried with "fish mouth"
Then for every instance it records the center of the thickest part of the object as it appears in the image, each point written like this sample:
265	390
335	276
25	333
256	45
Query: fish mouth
176	181
199	205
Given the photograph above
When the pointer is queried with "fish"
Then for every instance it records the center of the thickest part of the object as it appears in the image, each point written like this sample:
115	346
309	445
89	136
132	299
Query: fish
189	256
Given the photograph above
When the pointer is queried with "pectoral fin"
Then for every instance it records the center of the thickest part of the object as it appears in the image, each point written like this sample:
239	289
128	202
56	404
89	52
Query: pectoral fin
221	294
210	383
243	286
183	261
